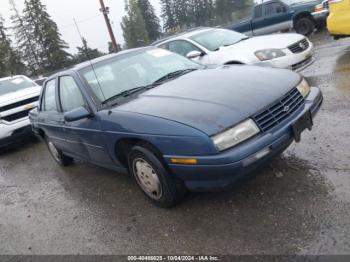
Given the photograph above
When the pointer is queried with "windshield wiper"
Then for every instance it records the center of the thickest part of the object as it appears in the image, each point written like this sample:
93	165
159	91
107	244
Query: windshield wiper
125	93
154	84
173	75
242	39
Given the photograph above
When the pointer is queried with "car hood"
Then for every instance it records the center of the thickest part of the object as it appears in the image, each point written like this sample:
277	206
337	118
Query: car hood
14	97
213	100
253	44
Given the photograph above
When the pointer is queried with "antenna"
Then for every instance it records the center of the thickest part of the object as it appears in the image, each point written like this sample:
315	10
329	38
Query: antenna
88	57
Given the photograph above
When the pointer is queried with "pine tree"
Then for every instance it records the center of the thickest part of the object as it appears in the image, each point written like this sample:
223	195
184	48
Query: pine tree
38	35
133	26
86	53
10	61
168	15
151	20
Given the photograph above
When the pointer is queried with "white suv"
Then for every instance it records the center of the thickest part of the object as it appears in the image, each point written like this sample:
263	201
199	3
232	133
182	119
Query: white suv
18	95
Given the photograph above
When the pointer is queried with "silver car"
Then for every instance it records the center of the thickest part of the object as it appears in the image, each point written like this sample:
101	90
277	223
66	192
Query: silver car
214	46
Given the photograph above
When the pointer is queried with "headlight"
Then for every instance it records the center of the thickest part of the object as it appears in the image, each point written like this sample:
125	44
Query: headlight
235	135
304	88
269	54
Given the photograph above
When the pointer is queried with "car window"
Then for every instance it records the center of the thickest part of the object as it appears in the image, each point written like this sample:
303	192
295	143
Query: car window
182	47
70	95
273	9
258	11
164	46
49	100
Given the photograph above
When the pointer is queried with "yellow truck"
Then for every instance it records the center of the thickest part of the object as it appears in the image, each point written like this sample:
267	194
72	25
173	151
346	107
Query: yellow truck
338	22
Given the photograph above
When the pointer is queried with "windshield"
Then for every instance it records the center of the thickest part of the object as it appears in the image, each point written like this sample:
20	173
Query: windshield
214	39
14	84
138	69
296	2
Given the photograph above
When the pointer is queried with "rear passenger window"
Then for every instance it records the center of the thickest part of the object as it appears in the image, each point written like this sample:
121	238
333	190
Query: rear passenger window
273	9
258	11
49	99
70	95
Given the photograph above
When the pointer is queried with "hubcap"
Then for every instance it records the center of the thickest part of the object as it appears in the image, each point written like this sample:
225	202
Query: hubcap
54	151
147	178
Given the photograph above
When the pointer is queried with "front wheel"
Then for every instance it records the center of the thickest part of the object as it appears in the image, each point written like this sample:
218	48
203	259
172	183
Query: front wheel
57	155
154	180
305	26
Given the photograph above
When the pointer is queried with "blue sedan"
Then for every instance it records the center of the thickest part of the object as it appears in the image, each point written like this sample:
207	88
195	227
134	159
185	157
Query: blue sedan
172	124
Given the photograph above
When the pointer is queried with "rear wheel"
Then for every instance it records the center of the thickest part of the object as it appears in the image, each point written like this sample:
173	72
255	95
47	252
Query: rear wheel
155	181
305	26
57	154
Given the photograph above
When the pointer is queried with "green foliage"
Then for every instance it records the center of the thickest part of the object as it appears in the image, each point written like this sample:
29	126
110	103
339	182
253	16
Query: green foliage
86	53
10	62
39	39
152	23
133	25
178	15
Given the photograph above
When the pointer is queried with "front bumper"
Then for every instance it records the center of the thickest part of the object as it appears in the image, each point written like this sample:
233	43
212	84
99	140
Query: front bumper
217	172
295	62
321	16
10	133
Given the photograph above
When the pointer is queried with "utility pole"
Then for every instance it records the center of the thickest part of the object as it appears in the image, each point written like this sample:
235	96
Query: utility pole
105	12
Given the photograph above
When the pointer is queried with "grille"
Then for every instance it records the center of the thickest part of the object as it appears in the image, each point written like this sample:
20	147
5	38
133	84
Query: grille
18	104
279	111
16	116
300	46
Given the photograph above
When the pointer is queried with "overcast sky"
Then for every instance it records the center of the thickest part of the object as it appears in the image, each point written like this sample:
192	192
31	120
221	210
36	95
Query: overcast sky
86	12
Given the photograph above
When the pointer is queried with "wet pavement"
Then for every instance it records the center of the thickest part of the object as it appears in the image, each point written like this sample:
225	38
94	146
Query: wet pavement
298	204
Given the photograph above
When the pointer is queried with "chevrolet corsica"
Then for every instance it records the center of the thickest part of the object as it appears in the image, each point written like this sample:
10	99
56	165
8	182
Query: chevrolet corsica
173	124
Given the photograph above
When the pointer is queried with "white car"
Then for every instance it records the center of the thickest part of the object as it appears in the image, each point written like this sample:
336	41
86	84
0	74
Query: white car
214	46
18	95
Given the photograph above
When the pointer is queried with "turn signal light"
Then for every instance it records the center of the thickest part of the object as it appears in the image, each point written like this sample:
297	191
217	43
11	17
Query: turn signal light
184	161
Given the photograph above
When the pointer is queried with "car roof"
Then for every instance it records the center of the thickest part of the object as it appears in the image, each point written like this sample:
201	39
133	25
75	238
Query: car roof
88	63
185	34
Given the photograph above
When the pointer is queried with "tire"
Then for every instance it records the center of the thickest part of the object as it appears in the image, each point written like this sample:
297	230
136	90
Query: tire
155	181
57	154
305	26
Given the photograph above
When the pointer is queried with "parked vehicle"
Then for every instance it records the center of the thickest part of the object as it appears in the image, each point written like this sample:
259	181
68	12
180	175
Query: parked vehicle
40	81
211	46
339	19
321	11
18	95
275	15
173	124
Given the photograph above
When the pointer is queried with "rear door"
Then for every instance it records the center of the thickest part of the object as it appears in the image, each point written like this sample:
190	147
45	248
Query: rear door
257	22
276	18
50	119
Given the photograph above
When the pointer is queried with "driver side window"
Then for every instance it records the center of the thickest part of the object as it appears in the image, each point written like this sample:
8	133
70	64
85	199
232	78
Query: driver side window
182	47
69	93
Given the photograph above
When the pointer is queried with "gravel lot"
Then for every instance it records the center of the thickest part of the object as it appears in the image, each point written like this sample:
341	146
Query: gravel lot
299	204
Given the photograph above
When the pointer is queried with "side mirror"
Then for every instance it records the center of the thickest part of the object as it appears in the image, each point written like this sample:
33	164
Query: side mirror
194	54
77	114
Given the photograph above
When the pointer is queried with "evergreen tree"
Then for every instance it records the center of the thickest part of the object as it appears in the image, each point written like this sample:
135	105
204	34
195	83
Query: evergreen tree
151	20
133	25
168	15
38	35
10	62
85	53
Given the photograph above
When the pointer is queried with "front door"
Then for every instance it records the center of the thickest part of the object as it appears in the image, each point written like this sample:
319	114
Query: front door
276	17
84	137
